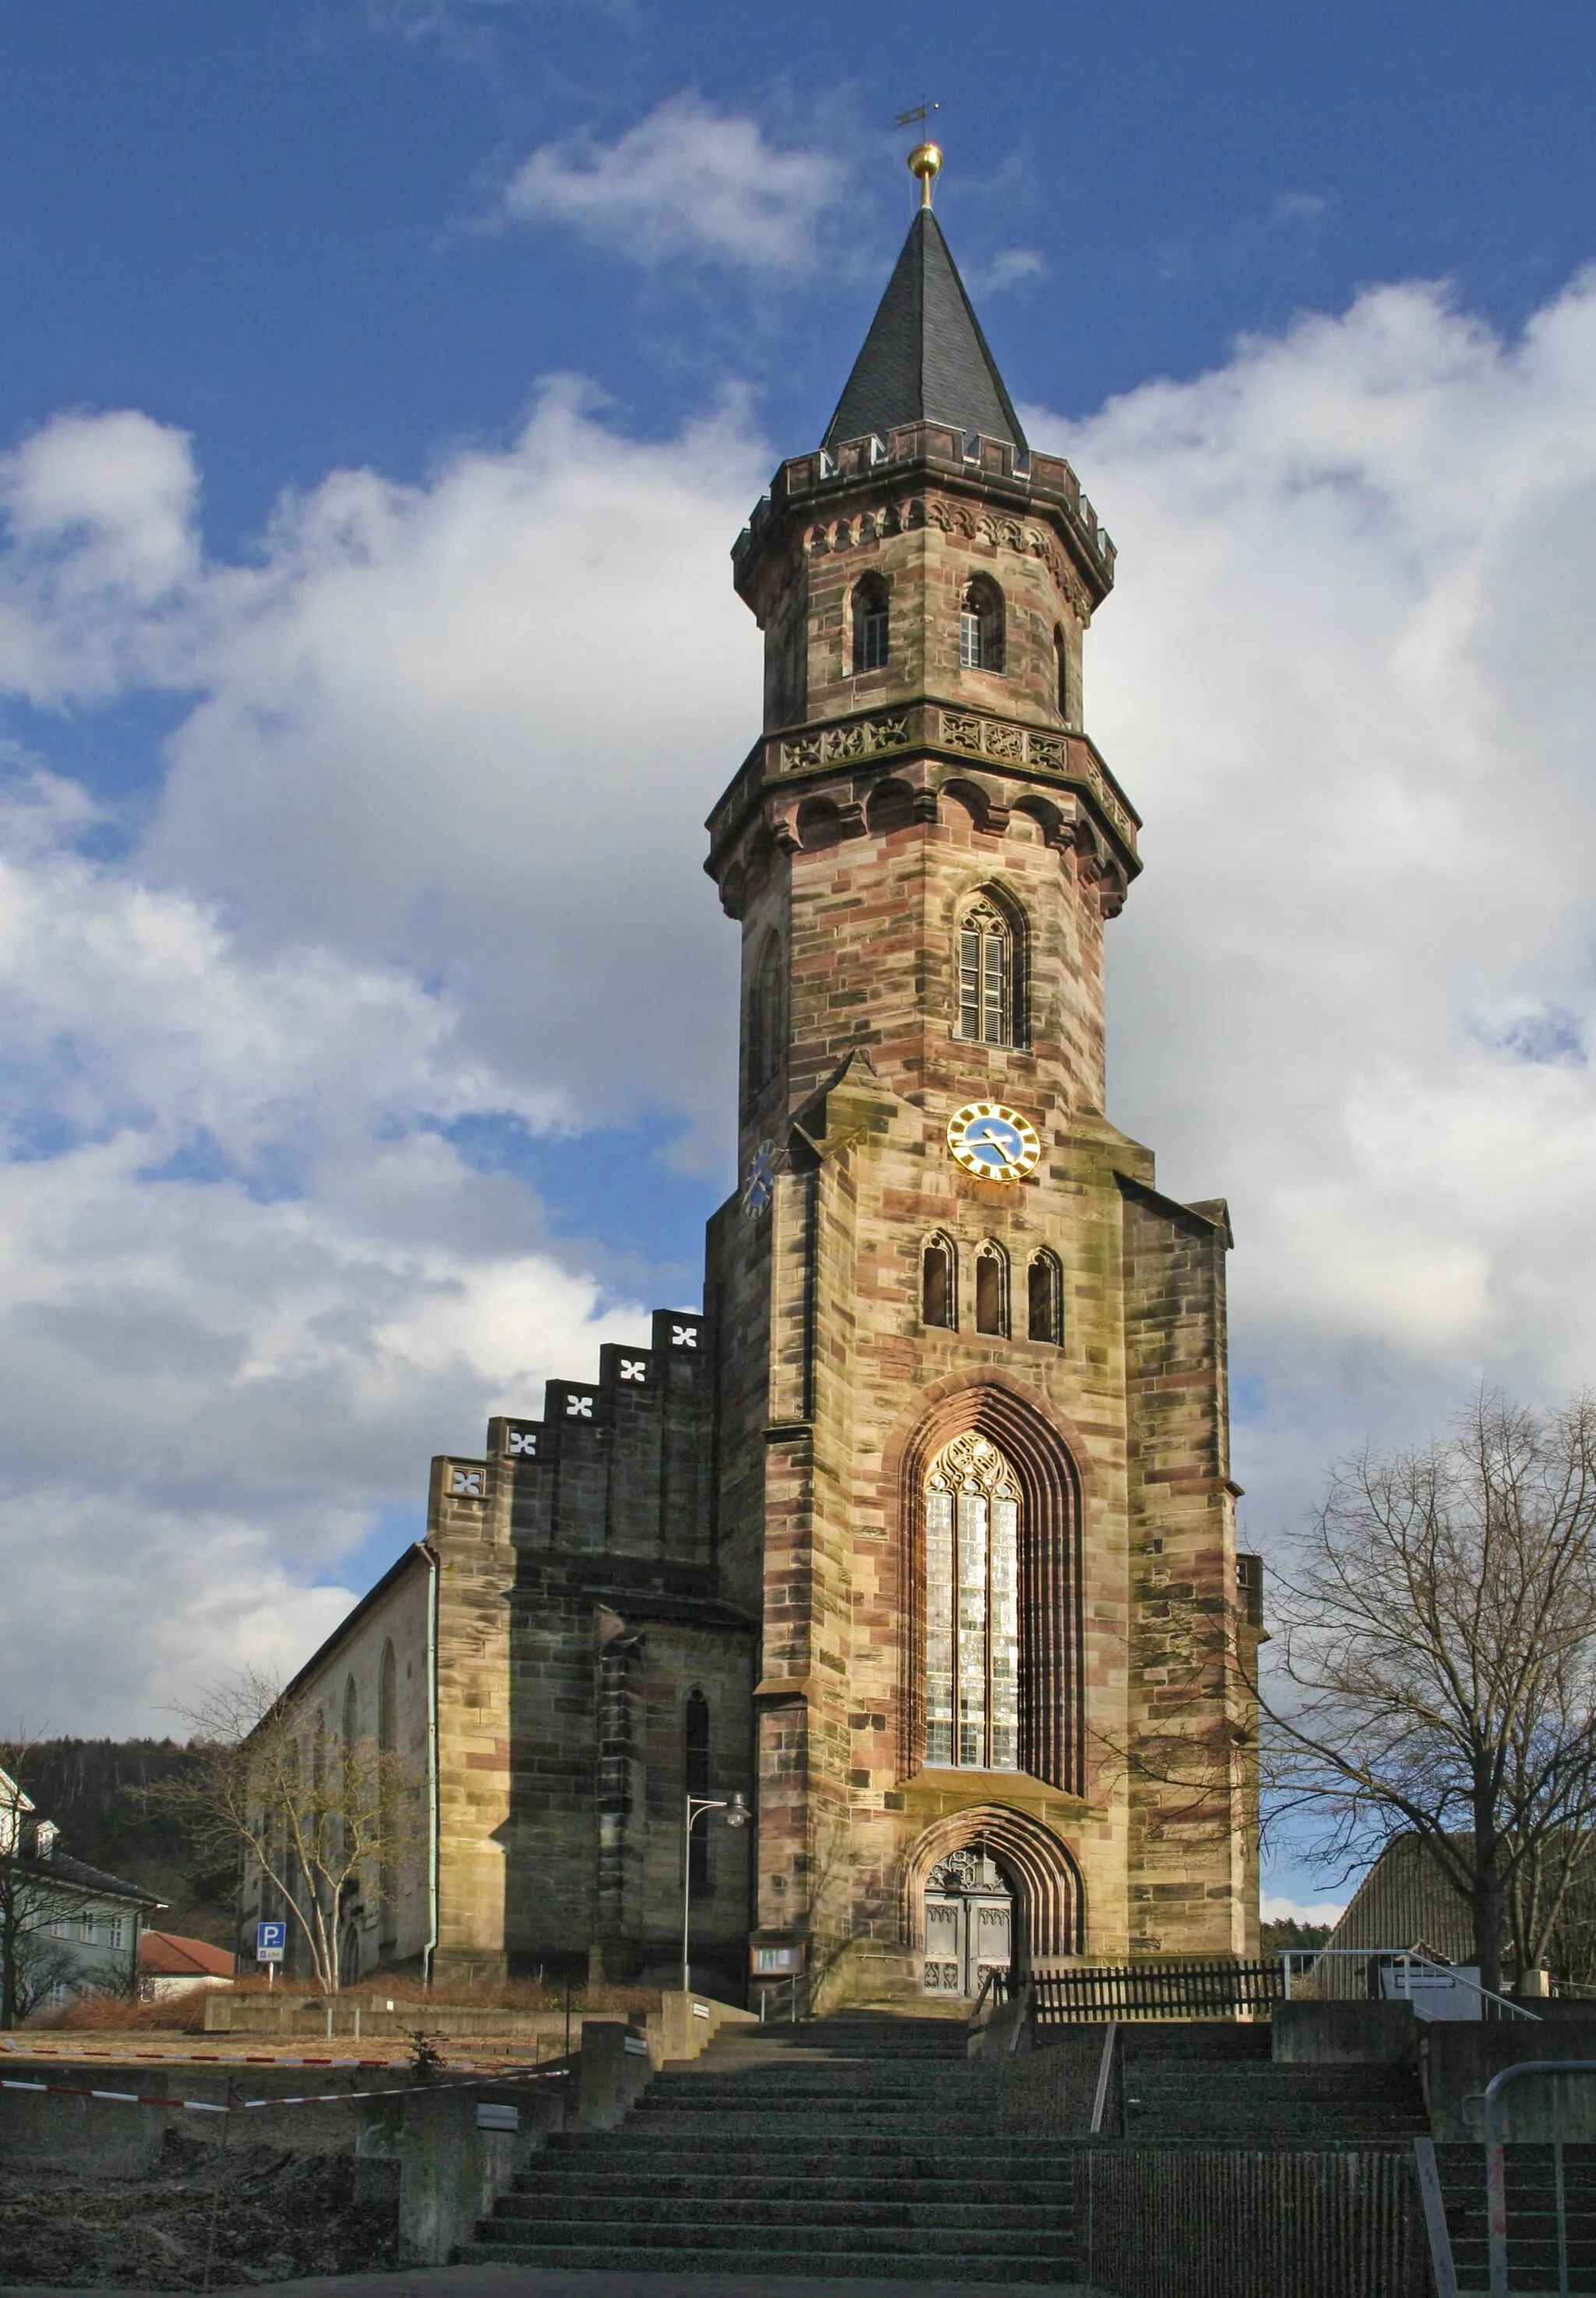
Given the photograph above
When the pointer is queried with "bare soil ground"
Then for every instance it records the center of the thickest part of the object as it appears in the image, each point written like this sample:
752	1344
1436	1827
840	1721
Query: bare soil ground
282	2215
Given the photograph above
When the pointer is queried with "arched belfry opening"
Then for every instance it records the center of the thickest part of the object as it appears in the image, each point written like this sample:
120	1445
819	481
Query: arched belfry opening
990	1509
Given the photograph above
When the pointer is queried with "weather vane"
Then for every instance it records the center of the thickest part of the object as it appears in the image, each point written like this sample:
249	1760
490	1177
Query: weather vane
927	158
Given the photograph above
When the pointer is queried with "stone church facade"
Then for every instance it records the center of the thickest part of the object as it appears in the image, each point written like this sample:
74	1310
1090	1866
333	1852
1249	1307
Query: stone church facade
921	1534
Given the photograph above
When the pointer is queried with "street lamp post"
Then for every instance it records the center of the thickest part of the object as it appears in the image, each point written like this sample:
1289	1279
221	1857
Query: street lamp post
736	1815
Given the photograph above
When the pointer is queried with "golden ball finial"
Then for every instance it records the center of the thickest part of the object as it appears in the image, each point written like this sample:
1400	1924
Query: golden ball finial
925	161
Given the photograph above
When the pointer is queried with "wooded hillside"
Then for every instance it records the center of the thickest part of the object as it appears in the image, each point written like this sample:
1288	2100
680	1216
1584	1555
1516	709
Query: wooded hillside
98	1793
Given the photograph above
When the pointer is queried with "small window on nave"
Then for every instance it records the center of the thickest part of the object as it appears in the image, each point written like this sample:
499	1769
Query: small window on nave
986	974
971	1607
869	625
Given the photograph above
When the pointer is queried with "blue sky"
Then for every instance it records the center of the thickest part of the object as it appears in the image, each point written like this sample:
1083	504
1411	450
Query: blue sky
386	385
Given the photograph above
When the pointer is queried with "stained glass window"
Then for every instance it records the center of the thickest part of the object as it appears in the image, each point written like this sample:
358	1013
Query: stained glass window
972	1608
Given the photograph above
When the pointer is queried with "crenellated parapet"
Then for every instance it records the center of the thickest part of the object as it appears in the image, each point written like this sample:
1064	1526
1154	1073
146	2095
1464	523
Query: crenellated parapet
926	475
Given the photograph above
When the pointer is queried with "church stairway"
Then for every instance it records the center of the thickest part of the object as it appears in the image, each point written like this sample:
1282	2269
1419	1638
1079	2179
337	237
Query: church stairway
1218	2084
849	2146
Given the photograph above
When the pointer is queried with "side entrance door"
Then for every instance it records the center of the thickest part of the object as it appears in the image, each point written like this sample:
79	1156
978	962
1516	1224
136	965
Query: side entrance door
969	1925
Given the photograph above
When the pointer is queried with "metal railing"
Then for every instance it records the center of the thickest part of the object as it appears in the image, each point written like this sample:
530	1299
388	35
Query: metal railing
1413	1970
772	2006
1496	2183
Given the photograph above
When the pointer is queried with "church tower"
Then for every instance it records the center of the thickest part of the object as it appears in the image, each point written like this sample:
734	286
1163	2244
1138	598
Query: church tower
973	1471
920	1536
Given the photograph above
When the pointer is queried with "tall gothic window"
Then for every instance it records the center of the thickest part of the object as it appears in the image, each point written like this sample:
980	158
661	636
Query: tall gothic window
971	1607
387	1742
991	1288
765	1017
1044	1286
939	1300
981	625
1061	658
869	624
986	971
695	1775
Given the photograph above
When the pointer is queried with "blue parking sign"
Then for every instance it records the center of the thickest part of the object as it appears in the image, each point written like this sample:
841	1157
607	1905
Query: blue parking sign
270	1939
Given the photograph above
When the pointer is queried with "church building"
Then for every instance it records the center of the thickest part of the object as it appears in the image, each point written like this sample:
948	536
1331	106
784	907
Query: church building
920	1538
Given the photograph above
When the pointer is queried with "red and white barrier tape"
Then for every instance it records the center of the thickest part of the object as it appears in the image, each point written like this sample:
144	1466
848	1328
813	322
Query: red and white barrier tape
318	2098
218	2058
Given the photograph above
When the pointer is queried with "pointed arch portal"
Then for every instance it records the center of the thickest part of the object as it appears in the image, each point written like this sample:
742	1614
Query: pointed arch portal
1042	1878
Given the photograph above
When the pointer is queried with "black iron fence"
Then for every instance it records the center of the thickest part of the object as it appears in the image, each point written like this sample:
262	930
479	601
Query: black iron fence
1217	1990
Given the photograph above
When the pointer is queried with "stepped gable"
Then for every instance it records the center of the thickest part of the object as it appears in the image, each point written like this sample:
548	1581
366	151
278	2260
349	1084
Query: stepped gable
616	1466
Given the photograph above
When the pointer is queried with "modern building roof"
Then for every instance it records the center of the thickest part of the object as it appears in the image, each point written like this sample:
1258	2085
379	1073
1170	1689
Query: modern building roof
76	1876
925	359
168	1954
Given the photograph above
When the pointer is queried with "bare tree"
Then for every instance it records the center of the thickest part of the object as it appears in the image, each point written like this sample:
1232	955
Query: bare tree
39	1899
1436	1668
315	1813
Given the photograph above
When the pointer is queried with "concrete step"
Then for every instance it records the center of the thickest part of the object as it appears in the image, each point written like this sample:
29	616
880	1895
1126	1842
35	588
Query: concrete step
837	2265
1183	2080
633	2146
633	2211
812	2240
683	2096
964	2100
948	2192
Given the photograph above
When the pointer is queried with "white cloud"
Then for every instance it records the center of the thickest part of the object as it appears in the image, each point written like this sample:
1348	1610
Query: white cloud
428	846
1010	268
247	1285
1347	680
688	182
99	518
1277	1910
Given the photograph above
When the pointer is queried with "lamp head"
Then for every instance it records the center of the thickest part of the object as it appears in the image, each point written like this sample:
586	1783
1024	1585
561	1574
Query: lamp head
737	1814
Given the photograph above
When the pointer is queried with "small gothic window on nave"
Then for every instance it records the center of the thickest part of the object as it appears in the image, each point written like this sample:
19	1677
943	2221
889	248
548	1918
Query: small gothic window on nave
971	1607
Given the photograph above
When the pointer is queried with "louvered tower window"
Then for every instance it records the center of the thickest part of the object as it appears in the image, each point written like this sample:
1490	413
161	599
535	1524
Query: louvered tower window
985	975
972	1608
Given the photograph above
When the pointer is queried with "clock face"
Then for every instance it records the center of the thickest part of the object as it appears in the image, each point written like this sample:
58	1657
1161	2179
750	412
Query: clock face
996	1142
759	1183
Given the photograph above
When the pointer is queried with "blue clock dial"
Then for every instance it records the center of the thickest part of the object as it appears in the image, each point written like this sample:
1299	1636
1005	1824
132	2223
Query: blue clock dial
994	1142
759	1183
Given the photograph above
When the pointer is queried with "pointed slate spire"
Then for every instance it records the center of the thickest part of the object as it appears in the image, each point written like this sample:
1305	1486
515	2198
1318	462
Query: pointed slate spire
925	359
